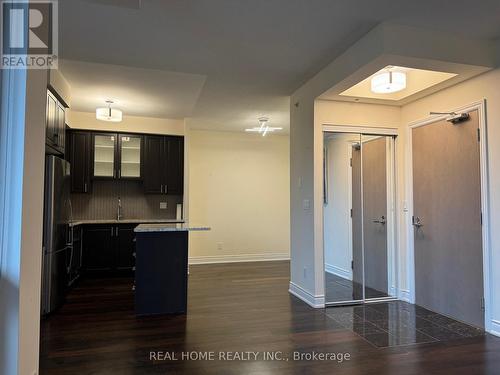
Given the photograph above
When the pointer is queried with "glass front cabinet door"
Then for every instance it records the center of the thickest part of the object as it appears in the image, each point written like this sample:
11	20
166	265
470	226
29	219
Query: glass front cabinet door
104	155
130	156
117	156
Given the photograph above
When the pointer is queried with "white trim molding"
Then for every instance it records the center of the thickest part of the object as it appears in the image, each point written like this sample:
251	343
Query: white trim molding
341	272
318	302
367	130
495	327
404	295
491	326
210	259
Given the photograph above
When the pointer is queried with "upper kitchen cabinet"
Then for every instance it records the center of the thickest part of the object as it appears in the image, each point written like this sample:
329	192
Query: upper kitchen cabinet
55	124
79	152
163	167
129	155
104	155
116	155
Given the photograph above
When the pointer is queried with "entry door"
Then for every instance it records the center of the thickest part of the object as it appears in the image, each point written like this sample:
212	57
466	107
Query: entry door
375	215
447	219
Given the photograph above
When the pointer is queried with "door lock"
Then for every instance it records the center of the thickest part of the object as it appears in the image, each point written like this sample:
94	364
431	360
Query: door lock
380	221
416	221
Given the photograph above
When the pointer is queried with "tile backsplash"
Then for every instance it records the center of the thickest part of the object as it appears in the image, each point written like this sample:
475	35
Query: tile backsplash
102	203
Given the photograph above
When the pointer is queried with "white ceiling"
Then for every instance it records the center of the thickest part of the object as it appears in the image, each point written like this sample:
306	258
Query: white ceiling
138	92
254	54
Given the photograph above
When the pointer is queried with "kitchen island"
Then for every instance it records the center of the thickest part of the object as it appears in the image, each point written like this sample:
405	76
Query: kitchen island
161	271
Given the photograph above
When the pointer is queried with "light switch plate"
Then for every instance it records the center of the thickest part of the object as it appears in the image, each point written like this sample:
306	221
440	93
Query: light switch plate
306	204
163	205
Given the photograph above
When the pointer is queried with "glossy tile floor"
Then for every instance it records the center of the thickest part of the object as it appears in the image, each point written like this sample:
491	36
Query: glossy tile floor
398	323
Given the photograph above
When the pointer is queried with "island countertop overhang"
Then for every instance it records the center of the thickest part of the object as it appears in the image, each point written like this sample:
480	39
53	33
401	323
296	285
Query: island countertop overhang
169	227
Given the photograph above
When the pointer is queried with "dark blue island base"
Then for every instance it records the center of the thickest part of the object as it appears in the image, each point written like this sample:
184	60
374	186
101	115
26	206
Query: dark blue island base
161	272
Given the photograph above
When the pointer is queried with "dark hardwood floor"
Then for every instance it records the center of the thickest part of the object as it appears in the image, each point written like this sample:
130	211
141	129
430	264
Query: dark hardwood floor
233	307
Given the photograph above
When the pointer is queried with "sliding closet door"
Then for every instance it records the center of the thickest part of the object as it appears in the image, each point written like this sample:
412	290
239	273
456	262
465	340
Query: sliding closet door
375	197
342	218
358	217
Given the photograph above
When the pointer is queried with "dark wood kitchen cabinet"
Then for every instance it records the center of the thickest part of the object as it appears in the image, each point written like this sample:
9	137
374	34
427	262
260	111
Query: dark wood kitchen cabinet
125	247
98	251
163	167
55	124
109	249
80	161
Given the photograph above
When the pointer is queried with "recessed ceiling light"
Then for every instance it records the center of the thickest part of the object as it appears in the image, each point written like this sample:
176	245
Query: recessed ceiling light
388	82
109	114
264	128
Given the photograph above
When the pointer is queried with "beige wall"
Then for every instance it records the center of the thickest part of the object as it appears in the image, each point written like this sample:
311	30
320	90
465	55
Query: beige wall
149	125
239	186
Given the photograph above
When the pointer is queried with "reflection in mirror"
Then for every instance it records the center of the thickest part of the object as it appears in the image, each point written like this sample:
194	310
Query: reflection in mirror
342	218
377	156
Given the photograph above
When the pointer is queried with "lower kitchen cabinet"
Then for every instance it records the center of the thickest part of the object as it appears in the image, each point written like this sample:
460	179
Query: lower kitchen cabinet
98	252
108	249
125	247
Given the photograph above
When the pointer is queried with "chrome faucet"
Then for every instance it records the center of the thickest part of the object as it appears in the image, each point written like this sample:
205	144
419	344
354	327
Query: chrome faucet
119	214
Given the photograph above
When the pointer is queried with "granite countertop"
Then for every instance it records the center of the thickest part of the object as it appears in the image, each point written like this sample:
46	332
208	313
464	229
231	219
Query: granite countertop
76	223
169	227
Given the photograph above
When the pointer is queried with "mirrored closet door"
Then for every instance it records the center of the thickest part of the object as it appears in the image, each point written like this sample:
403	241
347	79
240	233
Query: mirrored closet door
358	217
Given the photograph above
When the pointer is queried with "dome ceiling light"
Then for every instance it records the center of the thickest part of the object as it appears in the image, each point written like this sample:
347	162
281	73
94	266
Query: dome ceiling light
388	82
109	114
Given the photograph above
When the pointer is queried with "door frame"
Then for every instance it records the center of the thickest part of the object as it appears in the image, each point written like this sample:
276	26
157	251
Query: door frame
393	177
480	106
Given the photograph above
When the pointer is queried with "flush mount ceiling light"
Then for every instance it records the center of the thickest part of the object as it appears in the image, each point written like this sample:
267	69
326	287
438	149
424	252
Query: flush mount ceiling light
109	114
388	82
264	128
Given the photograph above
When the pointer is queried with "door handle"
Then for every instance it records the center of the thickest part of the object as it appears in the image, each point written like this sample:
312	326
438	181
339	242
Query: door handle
380	221
416	221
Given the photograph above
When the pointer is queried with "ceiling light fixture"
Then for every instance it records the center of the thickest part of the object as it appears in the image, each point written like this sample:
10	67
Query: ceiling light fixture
388	82
264	128
109	114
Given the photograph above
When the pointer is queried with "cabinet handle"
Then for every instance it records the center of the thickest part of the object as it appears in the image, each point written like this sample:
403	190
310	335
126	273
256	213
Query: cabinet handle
119	173
166	189
85	187
114	173
161	189
112	233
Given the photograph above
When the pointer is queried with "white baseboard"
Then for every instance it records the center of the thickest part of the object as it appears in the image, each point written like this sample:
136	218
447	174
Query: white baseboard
340	272
404	295
209	259
314	301
495	327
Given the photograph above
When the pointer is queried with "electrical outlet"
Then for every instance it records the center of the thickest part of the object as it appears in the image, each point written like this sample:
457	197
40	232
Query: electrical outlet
220	245
163	205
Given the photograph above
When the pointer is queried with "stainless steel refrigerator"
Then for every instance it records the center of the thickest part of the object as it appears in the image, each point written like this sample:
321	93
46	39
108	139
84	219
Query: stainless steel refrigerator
57	247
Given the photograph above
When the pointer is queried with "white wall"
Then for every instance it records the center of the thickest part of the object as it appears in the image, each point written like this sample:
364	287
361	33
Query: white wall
239	186
134	124
22	237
